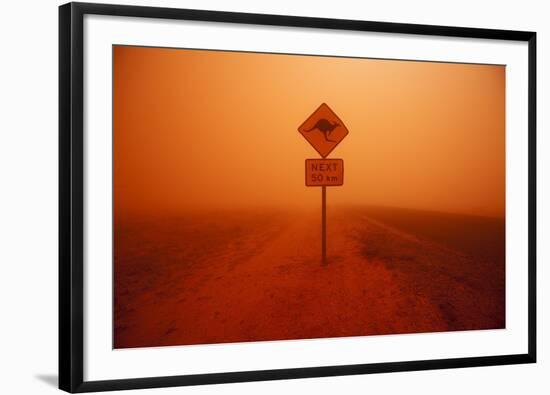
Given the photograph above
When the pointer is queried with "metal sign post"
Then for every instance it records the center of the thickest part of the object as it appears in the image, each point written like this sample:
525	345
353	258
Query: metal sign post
324	225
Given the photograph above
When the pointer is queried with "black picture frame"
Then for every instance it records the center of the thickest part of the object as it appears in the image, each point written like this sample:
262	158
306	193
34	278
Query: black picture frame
71	195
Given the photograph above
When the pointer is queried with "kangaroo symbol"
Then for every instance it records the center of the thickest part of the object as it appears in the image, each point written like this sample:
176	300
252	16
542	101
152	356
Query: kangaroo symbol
325	127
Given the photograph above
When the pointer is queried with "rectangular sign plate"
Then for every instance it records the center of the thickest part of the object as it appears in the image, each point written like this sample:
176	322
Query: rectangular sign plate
324	172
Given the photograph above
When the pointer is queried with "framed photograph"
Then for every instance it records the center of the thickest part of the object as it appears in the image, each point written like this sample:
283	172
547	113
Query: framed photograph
209	232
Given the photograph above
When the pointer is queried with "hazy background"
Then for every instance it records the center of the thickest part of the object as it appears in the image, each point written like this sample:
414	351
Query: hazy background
199	128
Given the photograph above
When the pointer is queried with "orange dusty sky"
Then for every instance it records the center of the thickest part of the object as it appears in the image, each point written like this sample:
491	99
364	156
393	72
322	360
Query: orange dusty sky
196	128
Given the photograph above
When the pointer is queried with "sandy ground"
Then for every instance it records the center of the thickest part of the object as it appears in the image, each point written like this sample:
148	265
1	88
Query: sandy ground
252	276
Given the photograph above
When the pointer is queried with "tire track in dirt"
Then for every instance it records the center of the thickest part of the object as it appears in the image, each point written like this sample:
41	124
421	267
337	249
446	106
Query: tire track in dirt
453	281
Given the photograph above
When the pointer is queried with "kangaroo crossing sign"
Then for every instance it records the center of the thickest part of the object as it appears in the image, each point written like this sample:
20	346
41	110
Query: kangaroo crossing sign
324	131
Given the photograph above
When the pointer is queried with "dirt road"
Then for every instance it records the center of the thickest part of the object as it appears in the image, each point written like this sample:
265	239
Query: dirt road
253	276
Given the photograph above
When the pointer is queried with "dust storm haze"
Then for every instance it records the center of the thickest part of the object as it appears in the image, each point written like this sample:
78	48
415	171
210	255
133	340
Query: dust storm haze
210	129
213	222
